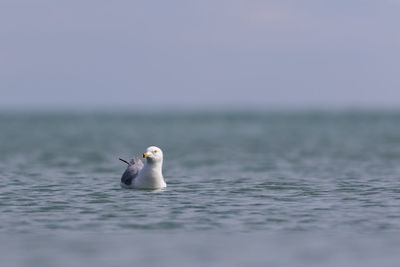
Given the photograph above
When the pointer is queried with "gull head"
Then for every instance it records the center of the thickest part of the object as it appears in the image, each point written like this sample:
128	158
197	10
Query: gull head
153	154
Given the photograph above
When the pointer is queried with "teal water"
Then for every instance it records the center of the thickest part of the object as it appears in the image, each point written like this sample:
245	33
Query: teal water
244	188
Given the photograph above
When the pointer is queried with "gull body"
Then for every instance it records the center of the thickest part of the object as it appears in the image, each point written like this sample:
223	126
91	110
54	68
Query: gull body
148	176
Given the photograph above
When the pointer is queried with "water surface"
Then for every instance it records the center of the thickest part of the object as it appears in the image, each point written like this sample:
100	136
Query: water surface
279	187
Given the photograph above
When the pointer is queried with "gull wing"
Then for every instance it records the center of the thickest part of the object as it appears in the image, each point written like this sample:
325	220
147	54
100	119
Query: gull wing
135	165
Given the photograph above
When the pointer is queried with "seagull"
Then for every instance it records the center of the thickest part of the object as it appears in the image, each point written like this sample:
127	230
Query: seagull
147	176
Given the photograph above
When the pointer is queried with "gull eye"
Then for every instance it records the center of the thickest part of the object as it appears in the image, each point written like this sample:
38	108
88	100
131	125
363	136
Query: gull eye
155	151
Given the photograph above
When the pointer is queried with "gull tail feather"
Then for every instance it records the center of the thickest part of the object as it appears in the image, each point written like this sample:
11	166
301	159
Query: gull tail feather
124	161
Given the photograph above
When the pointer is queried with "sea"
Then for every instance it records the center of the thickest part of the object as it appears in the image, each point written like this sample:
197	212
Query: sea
245	188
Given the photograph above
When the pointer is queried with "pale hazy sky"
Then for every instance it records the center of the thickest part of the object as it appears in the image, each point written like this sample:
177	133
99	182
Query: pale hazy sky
250	53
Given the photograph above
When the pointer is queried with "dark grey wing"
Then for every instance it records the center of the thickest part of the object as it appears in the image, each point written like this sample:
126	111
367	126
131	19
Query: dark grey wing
135	165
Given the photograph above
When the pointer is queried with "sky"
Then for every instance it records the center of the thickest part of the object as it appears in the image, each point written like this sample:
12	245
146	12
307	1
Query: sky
200	53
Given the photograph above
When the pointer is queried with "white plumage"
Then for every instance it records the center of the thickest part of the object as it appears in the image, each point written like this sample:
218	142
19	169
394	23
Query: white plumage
148	176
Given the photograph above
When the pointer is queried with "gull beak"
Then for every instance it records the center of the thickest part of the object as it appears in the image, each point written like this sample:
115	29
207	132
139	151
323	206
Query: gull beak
145	155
